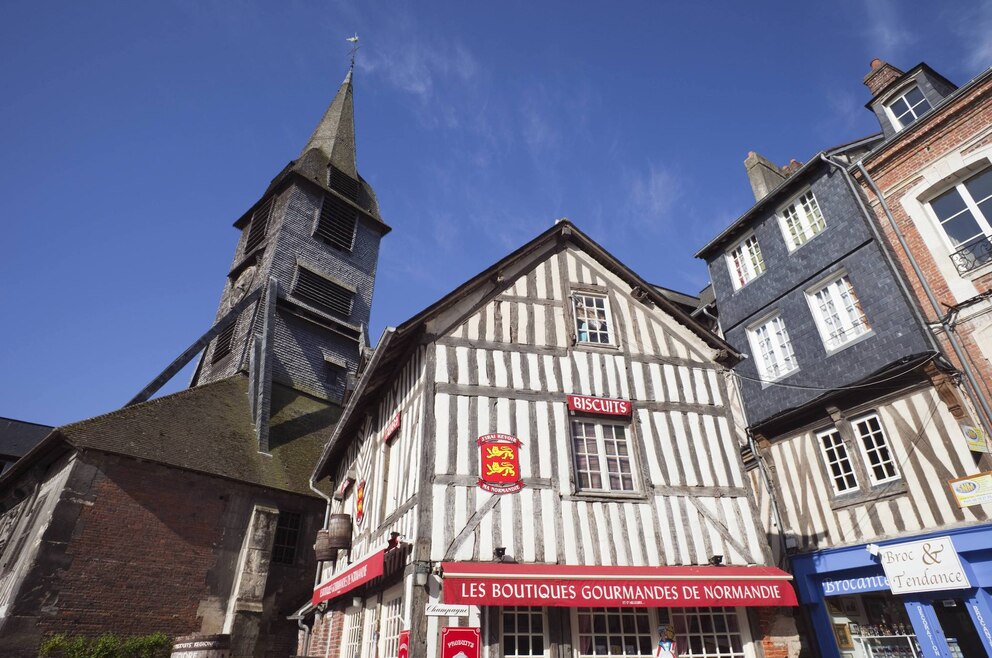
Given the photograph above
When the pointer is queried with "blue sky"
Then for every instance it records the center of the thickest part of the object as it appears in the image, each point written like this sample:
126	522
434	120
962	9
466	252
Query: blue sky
133	134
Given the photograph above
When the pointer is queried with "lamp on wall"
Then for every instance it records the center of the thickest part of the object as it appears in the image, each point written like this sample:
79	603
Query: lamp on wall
499	553
716	560
356	602
421	572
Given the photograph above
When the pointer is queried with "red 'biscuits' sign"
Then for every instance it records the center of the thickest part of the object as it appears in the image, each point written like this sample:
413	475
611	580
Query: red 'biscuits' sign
403	651
391	428
604	406
460	642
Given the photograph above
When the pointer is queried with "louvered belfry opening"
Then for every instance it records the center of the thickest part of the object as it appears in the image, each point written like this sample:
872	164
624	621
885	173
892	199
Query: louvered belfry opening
224	342
343	183
259	225
323	293
337	222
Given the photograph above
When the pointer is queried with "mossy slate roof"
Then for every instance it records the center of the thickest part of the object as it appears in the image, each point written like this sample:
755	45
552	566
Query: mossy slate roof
209	429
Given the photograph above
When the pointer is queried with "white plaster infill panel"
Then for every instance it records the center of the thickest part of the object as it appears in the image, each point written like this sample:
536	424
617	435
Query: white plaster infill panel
939	176
929	565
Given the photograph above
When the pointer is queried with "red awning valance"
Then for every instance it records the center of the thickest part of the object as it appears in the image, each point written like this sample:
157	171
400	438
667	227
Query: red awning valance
494	583
359	574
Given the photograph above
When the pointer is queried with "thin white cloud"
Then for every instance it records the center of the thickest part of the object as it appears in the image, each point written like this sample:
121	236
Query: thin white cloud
654	195
975	30
887	33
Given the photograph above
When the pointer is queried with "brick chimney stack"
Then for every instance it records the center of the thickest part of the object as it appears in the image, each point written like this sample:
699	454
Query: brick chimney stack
880	76
764	175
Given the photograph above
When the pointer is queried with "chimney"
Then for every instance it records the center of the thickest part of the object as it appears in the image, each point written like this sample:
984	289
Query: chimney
881	75
764	175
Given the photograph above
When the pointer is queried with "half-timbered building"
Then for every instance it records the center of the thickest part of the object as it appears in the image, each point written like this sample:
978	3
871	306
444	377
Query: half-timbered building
546	462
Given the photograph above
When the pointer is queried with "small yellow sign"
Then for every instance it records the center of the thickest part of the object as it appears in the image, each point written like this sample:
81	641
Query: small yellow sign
973	490
975	437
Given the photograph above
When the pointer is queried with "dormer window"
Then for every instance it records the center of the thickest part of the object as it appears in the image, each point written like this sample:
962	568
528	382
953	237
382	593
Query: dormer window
745	261
908	107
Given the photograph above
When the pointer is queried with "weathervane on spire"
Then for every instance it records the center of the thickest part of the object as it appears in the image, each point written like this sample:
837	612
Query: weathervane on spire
354	48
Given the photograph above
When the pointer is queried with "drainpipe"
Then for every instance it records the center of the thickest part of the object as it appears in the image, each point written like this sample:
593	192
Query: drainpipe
306	636
932	298
327	517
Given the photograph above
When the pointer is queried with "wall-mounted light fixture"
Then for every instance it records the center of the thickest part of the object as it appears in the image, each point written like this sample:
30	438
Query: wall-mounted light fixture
421	573
356	602
716	560
499	553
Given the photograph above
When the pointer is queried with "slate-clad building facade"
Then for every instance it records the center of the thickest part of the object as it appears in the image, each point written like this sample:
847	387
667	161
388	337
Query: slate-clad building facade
860	419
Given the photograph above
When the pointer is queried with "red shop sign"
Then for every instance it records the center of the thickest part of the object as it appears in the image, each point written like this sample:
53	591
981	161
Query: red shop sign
390	431
460	642
403	651
359	574
468	583
602	406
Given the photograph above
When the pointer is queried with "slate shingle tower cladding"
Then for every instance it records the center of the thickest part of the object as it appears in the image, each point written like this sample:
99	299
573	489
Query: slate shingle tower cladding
313	239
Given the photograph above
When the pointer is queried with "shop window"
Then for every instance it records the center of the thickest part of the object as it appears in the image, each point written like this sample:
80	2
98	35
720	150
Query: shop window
745	261
603	459
523	632
623	632
351	647
593	323
391	624
874	446
801	220
838	462
710	632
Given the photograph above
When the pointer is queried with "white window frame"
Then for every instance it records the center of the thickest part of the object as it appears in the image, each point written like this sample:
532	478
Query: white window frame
889	463
896	122
750	268
837	444
611	340
971	204
809	219
391	622
851	327
656	618
602	456
679	618
769	372
519	611
354	632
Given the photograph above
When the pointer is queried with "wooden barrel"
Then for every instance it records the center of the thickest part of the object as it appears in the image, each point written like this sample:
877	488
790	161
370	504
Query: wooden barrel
202	646
339	531
322	547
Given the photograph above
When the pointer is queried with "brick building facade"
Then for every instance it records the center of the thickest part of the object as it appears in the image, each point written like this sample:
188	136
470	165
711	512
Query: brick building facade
925	186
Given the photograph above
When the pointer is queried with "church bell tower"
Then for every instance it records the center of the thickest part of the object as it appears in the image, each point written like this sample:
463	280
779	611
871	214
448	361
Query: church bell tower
295	307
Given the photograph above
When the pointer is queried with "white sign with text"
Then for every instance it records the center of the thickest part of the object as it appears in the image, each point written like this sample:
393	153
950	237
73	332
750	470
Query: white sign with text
929	565
443	610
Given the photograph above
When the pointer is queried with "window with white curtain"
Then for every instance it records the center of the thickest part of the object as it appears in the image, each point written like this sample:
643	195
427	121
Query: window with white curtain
838	313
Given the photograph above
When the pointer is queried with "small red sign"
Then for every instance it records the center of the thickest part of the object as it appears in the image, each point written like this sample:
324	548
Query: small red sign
601	406
460	642
342	490
391	429
499	463
360	573
403	651
360	503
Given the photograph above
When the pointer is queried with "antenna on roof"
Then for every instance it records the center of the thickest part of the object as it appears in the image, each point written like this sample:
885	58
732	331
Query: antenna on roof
354	48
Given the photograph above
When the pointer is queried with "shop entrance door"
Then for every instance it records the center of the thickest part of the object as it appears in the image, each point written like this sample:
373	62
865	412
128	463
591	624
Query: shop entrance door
962	636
